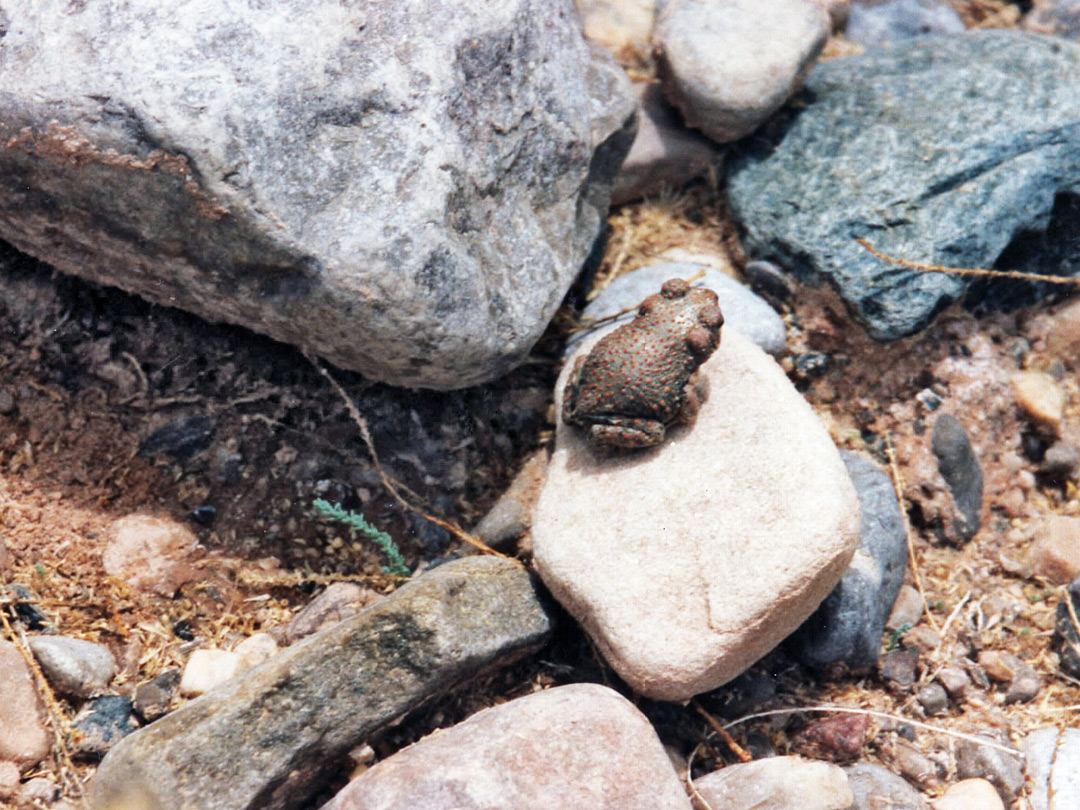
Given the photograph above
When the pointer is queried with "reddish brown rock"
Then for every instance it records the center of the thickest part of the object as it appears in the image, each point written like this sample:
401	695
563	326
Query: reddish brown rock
838	738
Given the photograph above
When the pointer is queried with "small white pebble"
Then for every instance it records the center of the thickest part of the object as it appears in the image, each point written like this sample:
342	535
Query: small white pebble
970	794
1040	396
206	669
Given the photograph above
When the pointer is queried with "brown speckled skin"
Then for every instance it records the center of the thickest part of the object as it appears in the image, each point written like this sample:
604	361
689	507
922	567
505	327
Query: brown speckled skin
641	377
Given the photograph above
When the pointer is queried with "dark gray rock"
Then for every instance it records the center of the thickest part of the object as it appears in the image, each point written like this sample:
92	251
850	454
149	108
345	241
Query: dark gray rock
1003	771
153	699
960	468
940	149
876	788
894	20
1061	461
263	739
1068	631
932	698
406	188
848	625
1053	764
73	666
180	438
898	668
770	282
101	724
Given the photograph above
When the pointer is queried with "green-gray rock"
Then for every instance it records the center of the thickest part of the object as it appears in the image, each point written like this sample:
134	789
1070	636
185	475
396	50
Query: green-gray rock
263	739
938	149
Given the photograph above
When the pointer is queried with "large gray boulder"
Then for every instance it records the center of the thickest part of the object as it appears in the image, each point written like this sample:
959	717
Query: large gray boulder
940	149
405	188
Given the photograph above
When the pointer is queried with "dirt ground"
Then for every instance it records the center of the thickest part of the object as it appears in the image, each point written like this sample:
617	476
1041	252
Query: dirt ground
89	376
111	406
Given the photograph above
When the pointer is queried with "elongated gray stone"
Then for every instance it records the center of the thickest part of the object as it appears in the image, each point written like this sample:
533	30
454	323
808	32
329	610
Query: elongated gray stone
407	188
264	738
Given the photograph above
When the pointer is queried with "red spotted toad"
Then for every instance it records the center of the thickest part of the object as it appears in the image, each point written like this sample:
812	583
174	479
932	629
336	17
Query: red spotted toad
642	377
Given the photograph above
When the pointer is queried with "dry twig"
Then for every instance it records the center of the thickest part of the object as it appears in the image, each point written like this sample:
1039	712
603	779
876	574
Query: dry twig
725	735
898	487
966	271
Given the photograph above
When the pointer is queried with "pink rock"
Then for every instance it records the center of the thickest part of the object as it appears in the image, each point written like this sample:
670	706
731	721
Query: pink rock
1059	329
40	790
9	781
150	553
1058	17
339	601
578	746
24	739
665	154
1055	552
689	561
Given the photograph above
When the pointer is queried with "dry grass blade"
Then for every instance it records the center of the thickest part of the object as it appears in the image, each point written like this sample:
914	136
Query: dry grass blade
898	487
58	720
882	715
965	271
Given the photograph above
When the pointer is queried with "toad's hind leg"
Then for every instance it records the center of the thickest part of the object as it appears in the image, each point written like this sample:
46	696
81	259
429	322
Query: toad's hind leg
570	391
694	394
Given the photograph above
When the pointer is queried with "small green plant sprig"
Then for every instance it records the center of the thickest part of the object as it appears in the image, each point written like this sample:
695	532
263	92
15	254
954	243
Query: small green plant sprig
357	522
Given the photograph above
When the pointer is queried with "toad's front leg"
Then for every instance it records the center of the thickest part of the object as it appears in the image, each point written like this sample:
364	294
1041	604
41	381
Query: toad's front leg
629	432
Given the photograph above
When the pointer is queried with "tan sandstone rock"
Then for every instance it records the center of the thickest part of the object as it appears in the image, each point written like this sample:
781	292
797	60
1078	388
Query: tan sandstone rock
689	561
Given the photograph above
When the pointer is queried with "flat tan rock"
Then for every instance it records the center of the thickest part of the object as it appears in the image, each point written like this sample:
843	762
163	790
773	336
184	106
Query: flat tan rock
689	561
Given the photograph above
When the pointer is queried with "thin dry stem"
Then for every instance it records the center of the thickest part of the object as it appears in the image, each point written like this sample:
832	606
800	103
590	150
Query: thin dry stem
882	715
898	487
966	271
738	750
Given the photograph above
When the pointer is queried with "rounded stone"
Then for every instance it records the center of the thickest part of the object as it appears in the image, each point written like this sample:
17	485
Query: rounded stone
728	66
74	666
